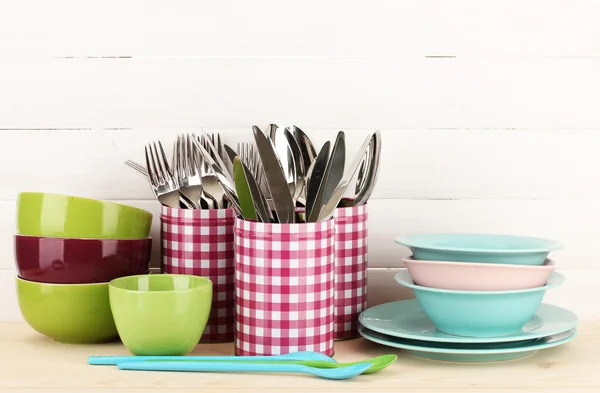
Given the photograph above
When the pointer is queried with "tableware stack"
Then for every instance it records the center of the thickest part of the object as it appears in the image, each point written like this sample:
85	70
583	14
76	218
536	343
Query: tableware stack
67	250
478	298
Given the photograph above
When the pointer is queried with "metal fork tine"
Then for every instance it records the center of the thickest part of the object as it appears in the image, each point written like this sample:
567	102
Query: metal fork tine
157	171
164	161
151	173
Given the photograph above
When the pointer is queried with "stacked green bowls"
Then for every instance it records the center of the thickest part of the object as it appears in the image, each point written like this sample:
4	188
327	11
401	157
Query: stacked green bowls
64	245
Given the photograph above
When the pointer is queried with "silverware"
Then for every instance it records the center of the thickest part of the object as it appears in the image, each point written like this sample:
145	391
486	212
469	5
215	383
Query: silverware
210	183
242	190
299	172
282	200
331	177
226	186
215	155
372	170
161	178
284	153
315	177
249	156
139	169
252	202
186	170
309	154
217	142
329	208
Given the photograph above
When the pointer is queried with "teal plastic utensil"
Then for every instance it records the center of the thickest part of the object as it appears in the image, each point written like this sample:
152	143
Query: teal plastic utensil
328	373
114	360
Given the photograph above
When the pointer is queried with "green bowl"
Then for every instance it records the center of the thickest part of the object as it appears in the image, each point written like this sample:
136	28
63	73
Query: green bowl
68	313
160	314
57	215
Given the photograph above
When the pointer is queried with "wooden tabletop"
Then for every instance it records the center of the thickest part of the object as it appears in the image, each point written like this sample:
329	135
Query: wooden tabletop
31	362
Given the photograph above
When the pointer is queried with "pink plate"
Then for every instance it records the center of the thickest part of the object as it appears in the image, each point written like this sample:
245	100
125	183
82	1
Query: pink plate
468	276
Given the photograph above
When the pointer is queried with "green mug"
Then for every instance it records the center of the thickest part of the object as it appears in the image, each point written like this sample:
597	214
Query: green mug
160	314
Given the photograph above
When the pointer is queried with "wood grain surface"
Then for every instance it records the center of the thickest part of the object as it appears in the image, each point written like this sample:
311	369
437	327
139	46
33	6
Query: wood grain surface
33	363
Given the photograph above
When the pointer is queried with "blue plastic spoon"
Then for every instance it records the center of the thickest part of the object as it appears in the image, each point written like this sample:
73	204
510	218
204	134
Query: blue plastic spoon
328	373
114	360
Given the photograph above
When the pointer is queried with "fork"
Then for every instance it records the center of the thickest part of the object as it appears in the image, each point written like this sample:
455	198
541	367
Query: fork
139	169
186	172
209	180
163	184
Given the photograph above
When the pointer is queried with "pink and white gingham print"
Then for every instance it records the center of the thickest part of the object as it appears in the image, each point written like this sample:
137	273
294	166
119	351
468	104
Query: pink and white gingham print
351	259
200	242
284	287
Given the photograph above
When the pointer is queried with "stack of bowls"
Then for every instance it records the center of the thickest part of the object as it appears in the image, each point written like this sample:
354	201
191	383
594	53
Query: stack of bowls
67	250
479	285
475	288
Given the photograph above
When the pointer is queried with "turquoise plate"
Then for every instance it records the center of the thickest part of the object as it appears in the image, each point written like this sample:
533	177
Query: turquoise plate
467	247
454	352
406	319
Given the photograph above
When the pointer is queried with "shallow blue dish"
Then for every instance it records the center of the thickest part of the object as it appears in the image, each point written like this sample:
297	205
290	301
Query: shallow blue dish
449	352
491	248
479	313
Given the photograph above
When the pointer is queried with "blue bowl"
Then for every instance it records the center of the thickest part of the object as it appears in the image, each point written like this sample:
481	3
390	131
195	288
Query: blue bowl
479	313
486	248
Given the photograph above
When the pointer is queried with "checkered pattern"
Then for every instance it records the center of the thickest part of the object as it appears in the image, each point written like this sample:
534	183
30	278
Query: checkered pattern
200	242
350	295
284	287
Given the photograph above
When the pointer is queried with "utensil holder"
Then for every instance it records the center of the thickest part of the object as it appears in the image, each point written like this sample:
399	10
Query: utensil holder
284	287
200	242
351	259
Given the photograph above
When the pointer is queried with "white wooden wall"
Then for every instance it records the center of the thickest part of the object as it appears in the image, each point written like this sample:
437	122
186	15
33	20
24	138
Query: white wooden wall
490	110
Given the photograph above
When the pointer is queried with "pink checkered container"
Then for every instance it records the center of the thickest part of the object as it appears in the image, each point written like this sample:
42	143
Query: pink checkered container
201	242
351	259
284	278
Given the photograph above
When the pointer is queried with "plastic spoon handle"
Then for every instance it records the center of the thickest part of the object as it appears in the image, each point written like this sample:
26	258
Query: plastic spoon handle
114	360
331	373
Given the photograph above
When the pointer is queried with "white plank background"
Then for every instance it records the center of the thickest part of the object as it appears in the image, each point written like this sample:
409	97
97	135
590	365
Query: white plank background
489	110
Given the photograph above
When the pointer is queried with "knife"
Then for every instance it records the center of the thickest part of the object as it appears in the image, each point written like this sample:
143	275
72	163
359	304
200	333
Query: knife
280	192
338	194
243	190
331	177
315	176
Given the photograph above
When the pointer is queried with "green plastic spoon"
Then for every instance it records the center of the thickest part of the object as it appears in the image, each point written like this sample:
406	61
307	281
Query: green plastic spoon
377	363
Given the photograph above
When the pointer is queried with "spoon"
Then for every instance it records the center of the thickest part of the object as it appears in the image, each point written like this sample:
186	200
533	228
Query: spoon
302	355
346	372
377	363
372	170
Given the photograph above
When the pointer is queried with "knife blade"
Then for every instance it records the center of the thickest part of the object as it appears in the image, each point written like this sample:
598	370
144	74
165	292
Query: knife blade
280	192
331	177
316	172
243	190
260	201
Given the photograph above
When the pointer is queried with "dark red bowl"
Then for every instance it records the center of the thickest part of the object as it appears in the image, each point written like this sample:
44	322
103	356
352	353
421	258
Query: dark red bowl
78	261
